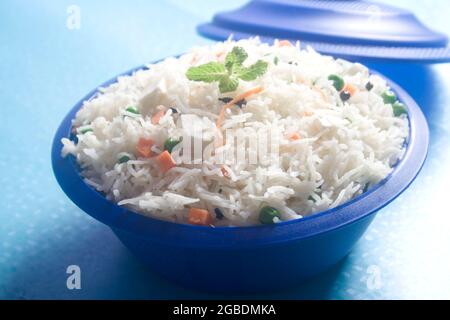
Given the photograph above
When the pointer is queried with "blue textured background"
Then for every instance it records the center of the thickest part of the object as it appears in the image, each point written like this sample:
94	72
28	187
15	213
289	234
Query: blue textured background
45	68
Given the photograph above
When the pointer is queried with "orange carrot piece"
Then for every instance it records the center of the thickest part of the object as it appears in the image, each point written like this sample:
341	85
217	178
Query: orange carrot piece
224	172
350	89
199	217
285	43
248	93
220	55
240	97
165	161
319	91
144	147
157	116
295	136
193	59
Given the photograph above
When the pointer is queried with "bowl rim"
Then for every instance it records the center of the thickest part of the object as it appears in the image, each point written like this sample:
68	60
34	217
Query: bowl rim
380	195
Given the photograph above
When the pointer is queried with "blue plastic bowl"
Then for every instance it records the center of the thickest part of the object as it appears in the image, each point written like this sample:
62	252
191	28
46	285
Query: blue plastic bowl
244	259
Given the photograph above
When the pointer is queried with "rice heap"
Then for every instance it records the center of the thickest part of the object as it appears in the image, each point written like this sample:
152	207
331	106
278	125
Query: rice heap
340	131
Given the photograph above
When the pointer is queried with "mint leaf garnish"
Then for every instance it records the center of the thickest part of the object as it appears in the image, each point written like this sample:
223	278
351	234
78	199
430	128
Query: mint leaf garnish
210	72
228	84
235	58
252	72
229	72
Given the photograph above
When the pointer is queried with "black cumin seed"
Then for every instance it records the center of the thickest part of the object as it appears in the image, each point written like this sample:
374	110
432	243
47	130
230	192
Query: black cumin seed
219	214
240	103
369	86
345	96
226	100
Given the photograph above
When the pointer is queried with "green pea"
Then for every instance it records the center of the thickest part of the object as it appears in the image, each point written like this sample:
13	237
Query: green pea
83	131
170	143
267	214
338	82
133	110
389	97
123	159
399	109
276	60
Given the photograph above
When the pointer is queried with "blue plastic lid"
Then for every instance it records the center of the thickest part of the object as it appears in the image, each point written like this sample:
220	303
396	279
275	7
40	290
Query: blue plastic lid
350	29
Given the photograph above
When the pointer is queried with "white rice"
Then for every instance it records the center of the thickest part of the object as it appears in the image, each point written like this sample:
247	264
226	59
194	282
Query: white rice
344	147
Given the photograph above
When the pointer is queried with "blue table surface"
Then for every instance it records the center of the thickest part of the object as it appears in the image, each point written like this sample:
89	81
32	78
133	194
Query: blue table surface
46	67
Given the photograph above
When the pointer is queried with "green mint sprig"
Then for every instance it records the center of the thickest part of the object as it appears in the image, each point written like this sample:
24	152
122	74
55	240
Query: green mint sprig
228	73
